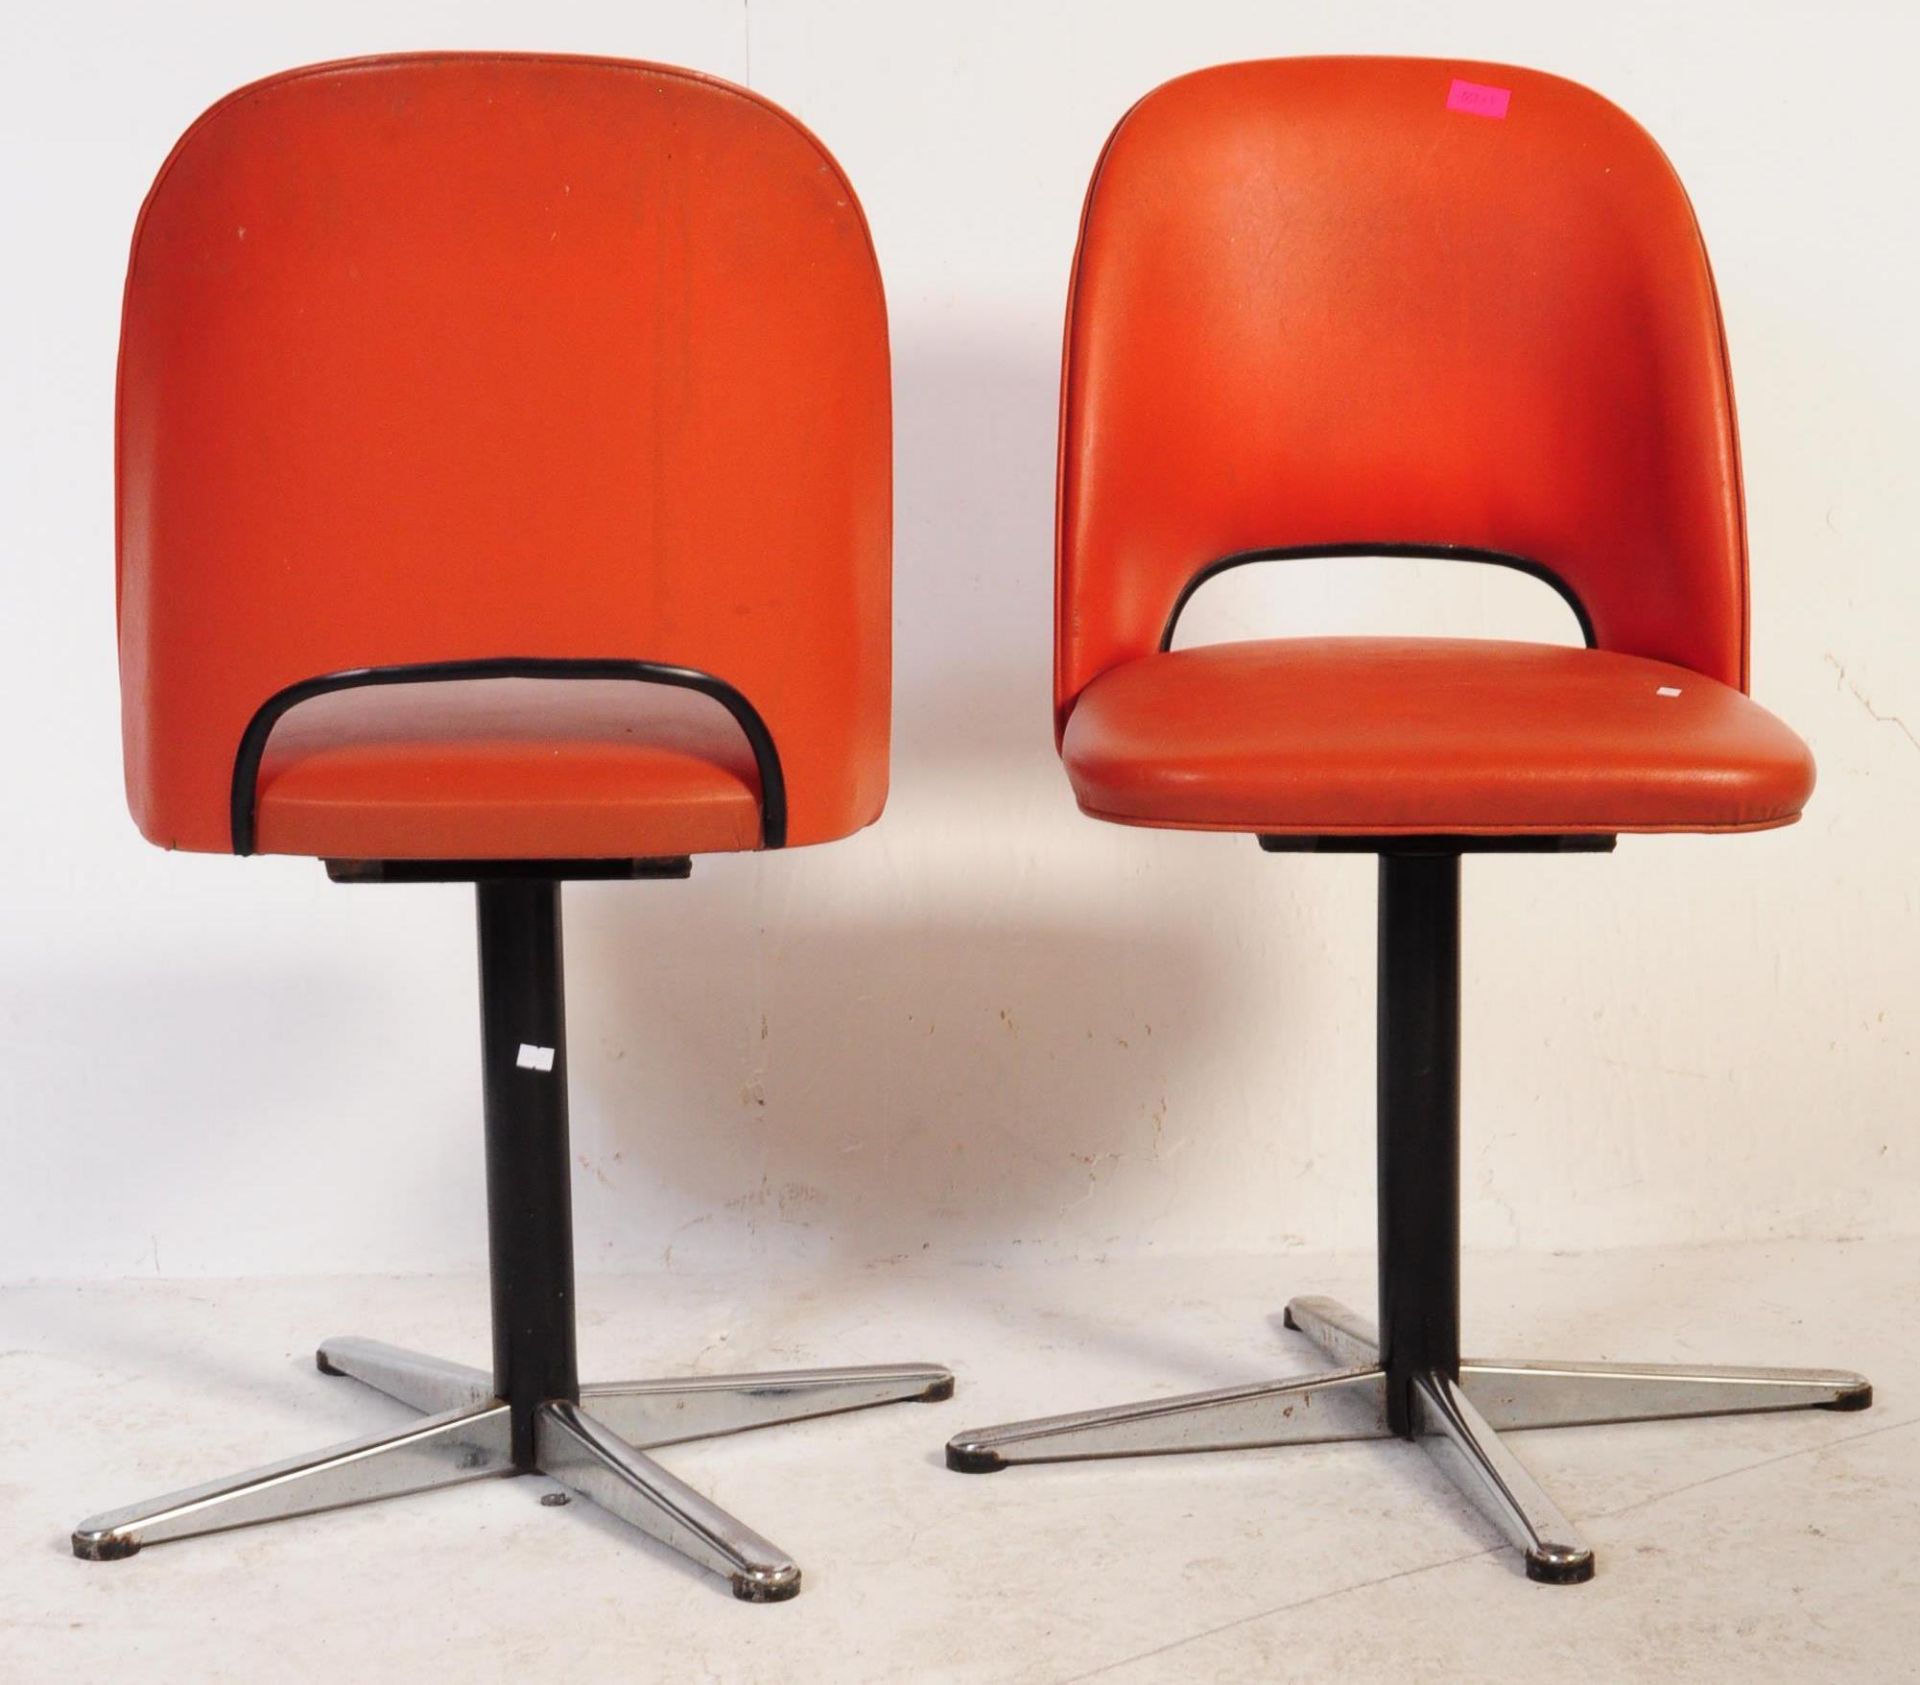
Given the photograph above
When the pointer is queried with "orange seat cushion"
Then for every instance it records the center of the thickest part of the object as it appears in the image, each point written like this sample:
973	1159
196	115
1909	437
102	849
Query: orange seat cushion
507	769
1408	736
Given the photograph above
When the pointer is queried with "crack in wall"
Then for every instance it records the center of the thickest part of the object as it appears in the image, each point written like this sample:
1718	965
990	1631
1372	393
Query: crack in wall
1866	702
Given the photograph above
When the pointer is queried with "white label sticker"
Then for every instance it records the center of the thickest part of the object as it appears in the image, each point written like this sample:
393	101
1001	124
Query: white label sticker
1668	690
534	1058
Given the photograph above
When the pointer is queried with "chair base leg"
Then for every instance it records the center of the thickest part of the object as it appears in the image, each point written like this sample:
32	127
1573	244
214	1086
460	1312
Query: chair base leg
1514	1396
1457	1421
1347	1404
443	1450
595	1448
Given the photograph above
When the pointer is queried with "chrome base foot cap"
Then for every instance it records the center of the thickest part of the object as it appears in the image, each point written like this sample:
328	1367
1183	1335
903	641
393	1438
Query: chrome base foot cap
767	1588
1560	1566
93	1545
965	1458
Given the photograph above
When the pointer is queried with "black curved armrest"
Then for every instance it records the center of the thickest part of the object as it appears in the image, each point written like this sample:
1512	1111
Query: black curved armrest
1428	552
253	741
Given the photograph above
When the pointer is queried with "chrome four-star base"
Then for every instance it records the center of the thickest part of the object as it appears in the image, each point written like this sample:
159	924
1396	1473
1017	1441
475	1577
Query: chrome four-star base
1458	1421
1407	1379
596	1448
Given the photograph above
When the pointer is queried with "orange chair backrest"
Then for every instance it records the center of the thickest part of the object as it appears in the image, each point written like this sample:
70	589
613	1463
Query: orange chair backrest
1395	302
462	357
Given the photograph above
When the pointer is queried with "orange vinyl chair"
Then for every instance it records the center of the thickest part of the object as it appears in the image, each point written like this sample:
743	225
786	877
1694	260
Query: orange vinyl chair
504	496
1330	307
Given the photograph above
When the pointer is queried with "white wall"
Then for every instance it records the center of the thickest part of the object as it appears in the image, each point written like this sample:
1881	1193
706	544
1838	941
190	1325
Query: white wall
989	1024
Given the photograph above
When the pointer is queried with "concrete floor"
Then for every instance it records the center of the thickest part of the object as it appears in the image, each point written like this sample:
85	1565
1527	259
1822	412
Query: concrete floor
1751	1549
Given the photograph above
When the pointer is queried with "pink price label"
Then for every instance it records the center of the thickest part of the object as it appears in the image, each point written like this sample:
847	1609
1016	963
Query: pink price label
1477	99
